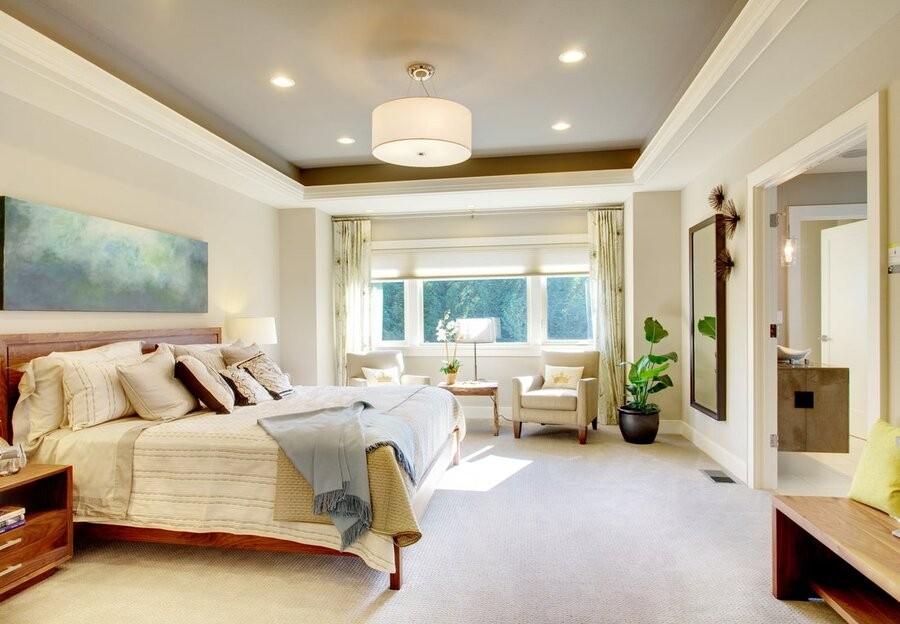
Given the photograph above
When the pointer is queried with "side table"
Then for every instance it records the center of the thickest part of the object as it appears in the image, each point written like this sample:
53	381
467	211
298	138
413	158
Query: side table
478	388
33	551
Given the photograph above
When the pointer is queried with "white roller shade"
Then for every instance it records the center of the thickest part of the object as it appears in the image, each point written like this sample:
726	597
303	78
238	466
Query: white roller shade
496	256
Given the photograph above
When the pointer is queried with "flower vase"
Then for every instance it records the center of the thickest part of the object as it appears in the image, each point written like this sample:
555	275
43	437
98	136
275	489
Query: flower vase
451	379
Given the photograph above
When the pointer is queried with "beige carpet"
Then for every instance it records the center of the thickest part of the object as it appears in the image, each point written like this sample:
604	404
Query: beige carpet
545	531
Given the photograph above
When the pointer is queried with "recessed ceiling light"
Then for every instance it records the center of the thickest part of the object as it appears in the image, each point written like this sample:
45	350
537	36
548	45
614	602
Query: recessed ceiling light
282	81
579	201
559	126
572	56
346	140
470	206
369	211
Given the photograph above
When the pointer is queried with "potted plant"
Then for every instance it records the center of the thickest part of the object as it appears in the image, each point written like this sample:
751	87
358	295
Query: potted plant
447	332
639	418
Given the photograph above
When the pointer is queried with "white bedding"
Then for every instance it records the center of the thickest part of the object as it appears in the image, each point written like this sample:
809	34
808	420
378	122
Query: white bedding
216	472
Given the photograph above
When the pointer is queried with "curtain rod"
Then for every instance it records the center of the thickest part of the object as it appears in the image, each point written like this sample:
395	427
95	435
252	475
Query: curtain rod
471	214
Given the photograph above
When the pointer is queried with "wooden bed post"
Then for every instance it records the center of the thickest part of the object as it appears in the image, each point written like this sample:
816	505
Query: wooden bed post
397	575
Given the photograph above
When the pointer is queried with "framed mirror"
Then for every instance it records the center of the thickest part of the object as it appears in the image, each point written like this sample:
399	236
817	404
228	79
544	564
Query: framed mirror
707	240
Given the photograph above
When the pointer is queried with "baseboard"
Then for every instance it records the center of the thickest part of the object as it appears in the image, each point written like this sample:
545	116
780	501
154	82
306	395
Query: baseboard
671	427
736	466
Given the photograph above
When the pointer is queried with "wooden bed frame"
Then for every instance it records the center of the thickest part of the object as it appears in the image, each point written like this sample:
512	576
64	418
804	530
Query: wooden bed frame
18	349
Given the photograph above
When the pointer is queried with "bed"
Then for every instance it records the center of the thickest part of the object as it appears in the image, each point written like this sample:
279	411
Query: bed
218	479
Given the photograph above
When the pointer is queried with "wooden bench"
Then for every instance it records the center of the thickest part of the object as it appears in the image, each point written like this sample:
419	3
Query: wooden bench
840	550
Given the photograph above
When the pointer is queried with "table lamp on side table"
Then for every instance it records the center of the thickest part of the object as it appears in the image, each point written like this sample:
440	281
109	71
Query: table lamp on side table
478	330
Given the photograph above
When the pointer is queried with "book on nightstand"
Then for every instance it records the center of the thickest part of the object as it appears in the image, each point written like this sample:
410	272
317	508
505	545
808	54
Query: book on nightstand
11	518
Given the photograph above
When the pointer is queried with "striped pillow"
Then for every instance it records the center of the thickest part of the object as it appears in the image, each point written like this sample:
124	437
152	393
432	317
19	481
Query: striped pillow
93	392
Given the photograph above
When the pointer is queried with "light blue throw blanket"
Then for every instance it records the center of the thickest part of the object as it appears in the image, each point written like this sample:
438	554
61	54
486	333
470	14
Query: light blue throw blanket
328	447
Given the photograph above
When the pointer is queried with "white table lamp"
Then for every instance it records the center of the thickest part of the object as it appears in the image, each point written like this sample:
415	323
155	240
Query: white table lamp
259	330
478	330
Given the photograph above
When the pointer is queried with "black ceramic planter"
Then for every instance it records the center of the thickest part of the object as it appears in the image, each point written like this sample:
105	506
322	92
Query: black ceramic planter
638	427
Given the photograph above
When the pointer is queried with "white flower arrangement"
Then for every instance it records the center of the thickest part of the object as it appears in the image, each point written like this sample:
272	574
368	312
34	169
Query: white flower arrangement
448	331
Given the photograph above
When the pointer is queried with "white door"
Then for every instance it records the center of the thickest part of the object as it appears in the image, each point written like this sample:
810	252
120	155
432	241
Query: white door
844	301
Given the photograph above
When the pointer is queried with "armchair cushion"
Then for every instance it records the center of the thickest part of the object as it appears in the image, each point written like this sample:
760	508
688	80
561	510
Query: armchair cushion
562	376
560	399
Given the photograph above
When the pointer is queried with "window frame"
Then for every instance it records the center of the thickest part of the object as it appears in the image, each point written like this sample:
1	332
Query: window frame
536	303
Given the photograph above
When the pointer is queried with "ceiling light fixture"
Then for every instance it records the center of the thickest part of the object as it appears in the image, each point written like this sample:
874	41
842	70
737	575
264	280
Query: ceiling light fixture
572	56
282	81
346	140
422	131
559	126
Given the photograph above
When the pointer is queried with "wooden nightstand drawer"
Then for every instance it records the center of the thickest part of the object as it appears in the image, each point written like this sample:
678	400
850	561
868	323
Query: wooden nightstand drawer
44	532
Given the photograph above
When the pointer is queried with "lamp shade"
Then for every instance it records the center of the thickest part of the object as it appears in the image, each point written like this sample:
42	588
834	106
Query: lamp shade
422	132
259	330
478	329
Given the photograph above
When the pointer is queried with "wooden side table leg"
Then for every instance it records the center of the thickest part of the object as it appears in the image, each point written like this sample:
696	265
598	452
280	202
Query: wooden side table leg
790	552
496	399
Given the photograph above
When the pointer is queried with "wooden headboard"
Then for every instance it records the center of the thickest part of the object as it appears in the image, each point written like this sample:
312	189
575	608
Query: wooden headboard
18	349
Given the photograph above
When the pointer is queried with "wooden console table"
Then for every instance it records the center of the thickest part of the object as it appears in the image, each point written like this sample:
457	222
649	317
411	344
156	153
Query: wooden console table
478	388
840	550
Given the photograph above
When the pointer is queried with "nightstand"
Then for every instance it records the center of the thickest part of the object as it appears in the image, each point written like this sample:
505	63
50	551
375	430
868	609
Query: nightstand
32	552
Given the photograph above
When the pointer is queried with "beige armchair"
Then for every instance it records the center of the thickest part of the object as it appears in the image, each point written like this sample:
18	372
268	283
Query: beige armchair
381	360
558	406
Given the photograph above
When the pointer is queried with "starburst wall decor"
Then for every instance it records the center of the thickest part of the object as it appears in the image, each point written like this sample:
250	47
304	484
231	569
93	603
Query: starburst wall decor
726	208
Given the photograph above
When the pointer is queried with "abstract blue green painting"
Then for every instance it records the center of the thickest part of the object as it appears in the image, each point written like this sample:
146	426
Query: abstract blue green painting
55	259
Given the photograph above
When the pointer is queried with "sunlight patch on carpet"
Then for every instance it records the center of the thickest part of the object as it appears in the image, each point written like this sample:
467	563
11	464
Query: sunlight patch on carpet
482	475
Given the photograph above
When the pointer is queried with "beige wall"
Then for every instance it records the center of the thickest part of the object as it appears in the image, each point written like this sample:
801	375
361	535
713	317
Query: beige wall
652	286
872	67
51	161
307	318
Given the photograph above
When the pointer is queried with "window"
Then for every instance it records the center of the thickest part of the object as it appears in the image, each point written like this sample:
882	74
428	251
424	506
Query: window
389	311
502	298
568	309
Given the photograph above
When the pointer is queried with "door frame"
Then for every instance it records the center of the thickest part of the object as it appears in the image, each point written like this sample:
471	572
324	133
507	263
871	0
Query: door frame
865	121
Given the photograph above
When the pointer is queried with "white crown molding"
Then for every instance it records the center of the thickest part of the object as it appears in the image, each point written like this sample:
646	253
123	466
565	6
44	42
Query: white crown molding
39	71
755	28
566	179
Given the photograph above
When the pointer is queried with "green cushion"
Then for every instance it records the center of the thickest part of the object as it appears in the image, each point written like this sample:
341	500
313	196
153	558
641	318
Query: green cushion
877	479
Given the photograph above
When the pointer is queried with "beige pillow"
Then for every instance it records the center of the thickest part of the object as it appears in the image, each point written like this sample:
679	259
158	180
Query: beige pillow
382	376
268	374
205	383
154	391
235	355
247	391
210	354
562	376
94	393
41	406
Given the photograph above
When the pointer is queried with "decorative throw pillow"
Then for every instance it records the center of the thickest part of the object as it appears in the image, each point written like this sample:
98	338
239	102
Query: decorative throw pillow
42	405
382	376
235	355
876	481
205	383
562	376
247	391
94	393
153	390
207	353
266	372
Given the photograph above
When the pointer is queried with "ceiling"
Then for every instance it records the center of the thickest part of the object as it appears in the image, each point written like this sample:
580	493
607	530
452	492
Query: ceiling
852	160
211	61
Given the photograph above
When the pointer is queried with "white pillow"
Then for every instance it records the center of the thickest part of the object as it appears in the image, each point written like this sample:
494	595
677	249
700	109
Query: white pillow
154	391
41	405
210	354
382	376
94	394
562	376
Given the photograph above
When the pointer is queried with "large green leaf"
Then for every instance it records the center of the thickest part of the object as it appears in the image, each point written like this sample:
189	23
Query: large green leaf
653	331
661	384
665	357
707	326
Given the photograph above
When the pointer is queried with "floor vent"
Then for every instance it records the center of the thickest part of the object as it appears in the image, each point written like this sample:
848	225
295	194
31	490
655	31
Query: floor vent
718	476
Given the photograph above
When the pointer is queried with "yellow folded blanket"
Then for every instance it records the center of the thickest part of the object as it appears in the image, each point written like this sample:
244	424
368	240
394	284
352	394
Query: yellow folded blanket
390	491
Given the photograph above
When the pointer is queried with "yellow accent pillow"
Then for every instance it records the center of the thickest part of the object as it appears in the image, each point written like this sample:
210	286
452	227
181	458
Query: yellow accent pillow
876	481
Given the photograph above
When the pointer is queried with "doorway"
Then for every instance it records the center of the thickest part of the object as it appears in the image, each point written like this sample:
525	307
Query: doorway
861	124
